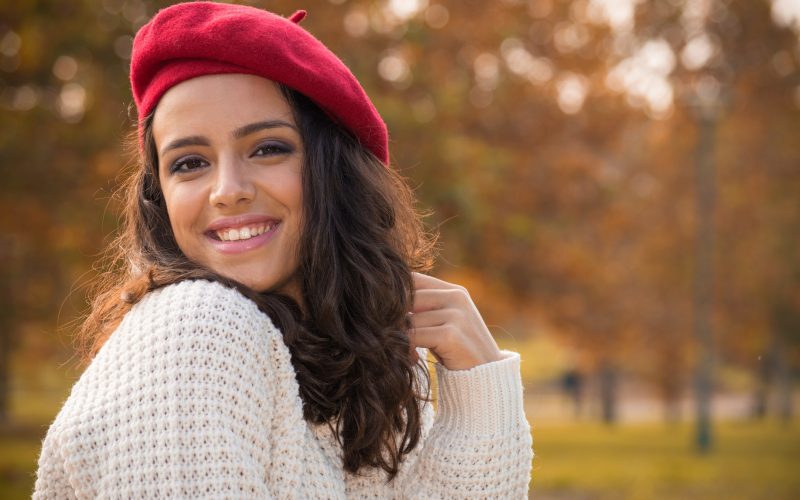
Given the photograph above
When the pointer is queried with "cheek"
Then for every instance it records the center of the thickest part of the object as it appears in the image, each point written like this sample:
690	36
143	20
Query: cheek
293	194
184	208
297	205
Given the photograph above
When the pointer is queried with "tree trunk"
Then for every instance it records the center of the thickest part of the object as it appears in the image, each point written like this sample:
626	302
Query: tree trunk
783	379
7	323
704	276
608	393
761	392
5	374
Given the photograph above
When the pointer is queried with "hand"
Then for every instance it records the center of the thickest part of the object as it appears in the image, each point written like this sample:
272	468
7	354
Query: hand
445	320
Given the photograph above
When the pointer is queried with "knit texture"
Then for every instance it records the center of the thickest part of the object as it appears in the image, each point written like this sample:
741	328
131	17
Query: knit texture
195	396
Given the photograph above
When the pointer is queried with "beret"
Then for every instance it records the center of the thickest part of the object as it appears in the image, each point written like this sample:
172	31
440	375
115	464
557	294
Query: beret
191	39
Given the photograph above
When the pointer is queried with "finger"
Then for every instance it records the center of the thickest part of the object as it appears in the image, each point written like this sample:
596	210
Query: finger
429	337
435	317
427	300
424	355
425	282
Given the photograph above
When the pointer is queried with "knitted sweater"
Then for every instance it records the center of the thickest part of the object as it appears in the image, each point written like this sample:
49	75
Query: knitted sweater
194	396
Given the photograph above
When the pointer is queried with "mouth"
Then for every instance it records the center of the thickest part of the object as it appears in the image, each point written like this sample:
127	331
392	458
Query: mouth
242	233
243	238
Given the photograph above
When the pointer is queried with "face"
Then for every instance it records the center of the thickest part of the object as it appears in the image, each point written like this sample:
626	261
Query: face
230	158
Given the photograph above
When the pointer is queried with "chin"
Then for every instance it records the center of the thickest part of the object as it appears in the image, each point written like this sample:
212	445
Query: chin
257	285
266	284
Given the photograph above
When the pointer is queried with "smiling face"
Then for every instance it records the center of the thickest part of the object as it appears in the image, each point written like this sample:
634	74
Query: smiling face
230	158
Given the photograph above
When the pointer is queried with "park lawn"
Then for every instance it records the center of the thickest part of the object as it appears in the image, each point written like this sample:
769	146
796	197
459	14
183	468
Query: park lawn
751	460
19	449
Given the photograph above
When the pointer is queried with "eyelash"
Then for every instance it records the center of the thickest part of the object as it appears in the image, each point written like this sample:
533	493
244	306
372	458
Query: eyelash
278	149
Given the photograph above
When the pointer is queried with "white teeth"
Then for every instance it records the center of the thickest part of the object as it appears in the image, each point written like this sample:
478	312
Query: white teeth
244	233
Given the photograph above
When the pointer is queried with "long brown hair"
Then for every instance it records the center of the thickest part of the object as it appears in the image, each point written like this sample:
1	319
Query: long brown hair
361	239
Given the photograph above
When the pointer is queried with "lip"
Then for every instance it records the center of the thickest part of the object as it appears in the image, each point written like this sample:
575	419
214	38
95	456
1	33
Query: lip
241	246
240	220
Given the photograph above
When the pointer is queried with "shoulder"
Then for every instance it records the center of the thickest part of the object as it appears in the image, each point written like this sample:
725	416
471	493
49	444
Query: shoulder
189	325
198	329
199	306
210	299
191	319
193	362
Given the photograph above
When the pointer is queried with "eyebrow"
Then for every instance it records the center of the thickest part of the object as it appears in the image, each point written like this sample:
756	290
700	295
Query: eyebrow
199	140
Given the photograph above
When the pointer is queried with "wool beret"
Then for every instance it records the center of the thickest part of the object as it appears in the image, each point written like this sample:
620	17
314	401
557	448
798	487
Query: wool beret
191	39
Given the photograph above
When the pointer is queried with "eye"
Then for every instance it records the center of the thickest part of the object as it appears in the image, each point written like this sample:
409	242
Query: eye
272	149
187	164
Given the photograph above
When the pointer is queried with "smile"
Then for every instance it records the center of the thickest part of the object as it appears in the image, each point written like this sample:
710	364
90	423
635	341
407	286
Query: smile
245	233
235	240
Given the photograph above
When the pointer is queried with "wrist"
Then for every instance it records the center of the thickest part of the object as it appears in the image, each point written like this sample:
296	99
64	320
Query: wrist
483	400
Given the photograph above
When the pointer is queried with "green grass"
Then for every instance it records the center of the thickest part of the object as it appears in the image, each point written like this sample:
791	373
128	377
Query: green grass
754	460
19	449
575	461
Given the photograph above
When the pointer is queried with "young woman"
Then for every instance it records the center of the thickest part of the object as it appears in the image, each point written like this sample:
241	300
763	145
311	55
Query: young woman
265	329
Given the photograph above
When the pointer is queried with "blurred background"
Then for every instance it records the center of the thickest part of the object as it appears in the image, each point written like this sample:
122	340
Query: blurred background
617	183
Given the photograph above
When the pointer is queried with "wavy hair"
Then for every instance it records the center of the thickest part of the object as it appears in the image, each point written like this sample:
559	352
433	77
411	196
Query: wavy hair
360	240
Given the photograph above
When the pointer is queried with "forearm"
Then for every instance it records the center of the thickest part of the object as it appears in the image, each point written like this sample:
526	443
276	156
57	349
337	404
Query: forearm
480	442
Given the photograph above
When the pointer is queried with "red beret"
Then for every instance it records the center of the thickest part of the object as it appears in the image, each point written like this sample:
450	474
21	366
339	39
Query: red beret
191	39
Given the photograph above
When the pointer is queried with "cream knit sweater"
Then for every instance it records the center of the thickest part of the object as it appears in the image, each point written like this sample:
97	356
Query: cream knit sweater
194	396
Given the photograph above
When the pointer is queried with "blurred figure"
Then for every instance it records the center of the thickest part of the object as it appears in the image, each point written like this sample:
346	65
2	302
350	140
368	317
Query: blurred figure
572	384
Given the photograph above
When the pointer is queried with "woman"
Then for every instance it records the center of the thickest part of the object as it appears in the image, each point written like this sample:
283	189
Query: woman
266	334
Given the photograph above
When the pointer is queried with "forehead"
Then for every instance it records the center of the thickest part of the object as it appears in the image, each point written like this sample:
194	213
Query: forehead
216	104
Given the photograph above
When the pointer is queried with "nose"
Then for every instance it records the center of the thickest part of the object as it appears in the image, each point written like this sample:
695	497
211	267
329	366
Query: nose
232	186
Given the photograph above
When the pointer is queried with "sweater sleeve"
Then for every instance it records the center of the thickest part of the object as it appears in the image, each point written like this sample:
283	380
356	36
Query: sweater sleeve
176	404
480	442
52	479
